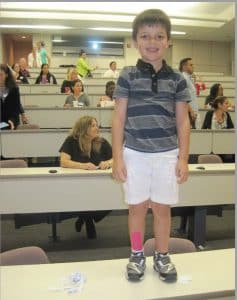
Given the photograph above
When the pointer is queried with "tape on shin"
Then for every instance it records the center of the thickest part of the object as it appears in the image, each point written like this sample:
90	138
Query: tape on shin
136	241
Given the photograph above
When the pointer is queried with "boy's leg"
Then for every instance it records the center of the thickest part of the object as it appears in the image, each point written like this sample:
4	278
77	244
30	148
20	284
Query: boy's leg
136	219
162	223
136	224
161	226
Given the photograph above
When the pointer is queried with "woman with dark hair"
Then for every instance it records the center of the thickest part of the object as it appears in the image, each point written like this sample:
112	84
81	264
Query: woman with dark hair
45	77
107	100
85	149
215	91
9	98
77	98
219	118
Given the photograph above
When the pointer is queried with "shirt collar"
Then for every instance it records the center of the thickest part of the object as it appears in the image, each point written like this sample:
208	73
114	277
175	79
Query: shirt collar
147	67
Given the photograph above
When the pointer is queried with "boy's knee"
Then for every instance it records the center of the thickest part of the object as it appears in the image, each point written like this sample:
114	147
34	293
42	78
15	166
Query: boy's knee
160	209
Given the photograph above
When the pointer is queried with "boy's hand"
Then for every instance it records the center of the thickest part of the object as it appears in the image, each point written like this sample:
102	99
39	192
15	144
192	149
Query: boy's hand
181	171
119	170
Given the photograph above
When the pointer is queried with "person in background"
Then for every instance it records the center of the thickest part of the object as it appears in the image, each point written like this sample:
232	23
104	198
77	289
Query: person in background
107	100
45	77
44	57
77	98
186	67
112	72
218	118
85	149
10	105
83	68
215	91
20	78
72	75
34	59
199	84
24	118
23	67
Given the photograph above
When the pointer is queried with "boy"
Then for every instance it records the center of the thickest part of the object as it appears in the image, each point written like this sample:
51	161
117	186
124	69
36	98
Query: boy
151	105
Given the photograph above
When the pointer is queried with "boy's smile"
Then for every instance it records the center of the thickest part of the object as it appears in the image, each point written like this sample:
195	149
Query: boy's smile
152	43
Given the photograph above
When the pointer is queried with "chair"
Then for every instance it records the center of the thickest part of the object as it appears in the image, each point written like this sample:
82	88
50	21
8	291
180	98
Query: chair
176	245
13	163
27	126
209	159
24	256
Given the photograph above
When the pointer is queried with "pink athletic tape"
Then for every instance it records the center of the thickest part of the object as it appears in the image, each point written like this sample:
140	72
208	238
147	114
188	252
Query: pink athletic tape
136	241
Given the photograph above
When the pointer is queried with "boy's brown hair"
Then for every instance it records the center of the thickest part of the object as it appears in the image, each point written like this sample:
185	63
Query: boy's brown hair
151	17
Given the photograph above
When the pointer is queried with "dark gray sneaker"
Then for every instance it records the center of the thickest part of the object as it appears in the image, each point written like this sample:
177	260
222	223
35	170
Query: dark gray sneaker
136	266
164	267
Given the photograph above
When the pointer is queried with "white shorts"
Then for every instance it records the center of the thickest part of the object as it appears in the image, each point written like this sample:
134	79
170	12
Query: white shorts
151	176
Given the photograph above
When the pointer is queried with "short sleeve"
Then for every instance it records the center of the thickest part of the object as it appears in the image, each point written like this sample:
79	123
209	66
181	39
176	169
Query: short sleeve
87	100
68	100
182	91
122	87
67	146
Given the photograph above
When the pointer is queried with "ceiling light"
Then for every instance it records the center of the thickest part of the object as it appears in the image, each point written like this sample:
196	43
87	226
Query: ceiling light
111	29
129	30
107	42
34	26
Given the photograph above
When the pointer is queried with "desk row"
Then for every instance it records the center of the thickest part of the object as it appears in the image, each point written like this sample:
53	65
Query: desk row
46	143
98	86
65	118
54	99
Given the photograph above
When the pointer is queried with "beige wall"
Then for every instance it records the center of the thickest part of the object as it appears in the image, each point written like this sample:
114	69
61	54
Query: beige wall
207	56
1	50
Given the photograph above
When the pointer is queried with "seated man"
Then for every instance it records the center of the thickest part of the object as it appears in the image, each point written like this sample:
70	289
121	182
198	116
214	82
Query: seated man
112	72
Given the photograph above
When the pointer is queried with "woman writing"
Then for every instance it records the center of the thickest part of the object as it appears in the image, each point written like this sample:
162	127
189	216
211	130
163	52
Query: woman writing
45	77
215	91
85	149
77	97
219	118
72	75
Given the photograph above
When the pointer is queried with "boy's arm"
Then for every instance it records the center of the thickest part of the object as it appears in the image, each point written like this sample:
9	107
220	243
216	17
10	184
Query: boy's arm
119	117
183	130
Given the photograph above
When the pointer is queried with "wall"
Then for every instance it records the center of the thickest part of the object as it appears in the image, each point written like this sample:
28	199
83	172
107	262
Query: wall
1	49
207	56
21	49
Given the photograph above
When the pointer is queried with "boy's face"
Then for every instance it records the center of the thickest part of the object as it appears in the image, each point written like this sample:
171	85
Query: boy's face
152	42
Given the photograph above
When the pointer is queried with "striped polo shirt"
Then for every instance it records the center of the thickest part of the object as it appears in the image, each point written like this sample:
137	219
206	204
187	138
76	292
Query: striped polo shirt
150	122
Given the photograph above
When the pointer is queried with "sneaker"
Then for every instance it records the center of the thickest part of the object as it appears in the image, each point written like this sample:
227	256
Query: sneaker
164	267
136	266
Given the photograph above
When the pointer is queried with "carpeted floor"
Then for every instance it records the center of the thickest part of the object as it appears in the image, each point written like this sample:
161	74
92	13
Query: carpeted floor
112	237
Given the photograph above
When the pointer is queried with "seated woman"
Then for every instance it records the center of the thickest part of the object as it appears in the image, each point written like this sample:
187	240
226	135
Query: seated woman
78	97
72	75
219	118
45	77
107	99
20	78
215	91
85	149
10	104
